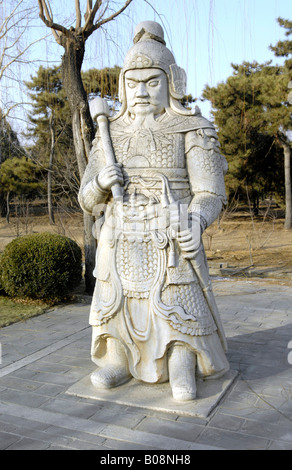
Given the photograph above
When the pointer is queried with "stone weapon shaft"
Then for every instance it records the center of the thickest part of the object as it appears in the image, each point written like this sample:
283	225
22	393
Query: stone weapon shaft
199	264
202	272
100	112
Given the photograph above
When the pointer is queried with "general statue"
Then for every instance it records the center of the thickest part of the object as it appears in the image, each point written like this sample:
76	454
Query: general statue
156	179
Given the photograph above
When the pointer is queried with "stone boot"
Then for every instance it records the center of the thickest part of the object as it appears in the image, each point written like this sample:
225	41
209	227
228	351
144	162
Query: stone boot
182	369
116	372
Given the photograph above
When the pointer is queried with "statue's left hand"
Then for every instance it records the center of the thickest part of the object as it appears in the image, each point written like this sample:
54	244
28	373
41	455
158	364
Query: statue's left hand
189	242
187	232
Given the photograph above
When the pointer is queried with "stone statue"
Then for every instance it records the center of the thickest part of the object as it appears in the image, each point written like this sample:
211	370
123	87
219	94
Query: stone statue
159	177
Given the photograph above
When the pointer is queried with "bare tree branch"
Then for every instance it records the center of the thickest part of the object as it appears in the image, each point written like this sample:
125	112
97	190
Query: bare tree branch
111	17
11	52
11	15
91	14
78	14
102	12
47	18
49	10
5	114
16	58
15	17
88	9
96	7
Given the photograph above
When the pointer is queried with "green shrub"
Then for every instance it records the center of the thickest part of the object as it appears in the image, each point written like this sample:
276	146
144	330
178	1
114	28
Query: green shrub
41	266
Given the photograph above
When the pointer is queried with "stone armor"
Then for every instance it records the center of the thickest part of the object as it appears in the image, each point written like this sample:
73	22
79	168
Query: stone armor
139	293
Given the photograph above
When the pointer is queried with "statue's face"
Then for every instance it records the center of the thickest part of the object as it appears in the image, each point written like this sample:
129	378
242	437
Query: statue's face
146	91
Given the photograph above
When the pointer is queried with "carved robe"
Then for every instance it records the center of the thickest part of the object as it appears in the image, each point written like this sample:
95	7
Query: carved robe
142	298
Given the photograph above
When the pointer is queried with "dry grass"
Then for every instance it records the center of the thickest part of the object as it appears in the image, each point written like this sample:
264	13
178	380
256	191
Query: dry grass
12	311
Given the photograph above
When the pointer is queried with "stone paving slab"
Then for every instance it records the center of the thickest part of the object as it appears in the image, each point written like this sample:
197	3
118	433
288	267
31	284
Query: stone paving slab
47	355
102	430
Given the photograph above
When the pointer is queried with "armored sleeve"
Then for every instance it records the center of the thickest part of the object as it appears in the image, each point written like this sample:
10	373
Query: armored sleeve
206	168
90	193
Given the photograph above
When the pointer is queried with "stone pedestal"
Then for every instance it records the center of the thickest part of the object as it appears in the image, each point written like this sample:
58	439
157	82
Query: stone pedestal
158	397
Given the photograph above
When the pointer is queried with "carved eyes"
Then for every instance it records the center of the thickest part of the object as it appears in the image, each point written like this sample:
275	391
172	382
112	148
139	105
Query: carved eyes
131	84
152	84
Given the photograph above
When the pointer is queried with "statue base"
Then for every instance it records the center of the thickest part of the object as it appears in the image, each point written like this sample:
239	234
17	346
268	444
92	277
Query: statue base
158	397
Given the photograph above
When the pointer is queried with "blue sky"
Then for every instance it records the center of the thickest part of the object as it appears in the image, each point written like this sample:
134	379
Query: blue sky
206	36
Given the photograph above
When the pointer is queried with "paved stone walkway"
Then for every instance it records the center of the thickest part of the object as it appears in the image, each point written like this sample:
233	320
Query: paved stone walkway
46	355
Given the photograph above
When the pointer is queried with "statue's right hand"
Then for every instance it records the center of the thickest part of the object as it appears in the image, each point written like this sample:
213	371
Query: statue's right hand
110	175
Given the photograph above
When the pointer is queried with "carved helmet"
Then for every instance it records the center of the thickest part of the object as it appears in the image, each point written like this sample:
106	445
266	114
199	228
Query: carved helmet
150	51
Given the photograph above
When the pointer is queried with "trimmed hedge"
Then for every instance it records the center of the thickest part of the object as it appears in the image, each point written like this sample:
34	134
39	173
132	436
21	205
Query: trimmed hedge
41	266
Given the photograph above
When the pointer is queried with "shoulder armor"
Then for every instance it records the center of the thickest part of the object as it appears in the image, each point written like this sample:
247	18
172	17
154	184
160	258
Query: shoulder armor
206	139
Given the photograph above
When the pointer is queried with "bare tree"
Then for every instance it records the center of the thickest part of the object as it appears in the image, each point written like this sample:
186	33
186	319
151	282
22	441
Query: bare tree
14	46
50	169
11	22
14	20
73	41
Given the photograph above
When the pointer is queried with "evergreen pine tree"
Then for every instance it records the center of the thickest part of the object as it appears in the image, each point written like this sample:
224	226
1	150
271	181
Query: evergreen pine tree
252	115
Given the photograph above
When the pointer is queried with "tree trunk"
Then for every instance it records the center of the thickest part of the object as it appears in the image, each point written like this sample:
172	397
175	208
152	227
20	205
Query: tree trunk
7	207
288	194
52	151
73	40
83	134
288	187
3	209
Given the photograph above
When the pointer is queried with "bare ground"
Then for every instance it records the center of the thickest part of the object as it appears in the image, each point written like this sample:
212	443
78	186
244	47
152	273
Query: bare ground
240	245
250	246
70	225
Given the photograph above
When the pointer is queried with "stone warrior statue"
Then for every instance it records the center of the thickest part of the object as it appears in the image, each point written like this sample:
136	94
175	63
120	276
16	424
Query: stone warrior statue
153	312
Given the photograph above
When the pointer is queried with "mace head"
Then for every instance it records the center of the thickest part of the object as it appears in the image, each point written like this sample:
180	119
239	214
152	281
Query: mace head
99	107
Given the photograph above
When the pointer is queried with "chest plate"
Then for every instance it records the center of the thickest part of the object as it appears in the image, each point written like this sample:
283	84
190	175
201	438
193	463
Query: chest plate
148	149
